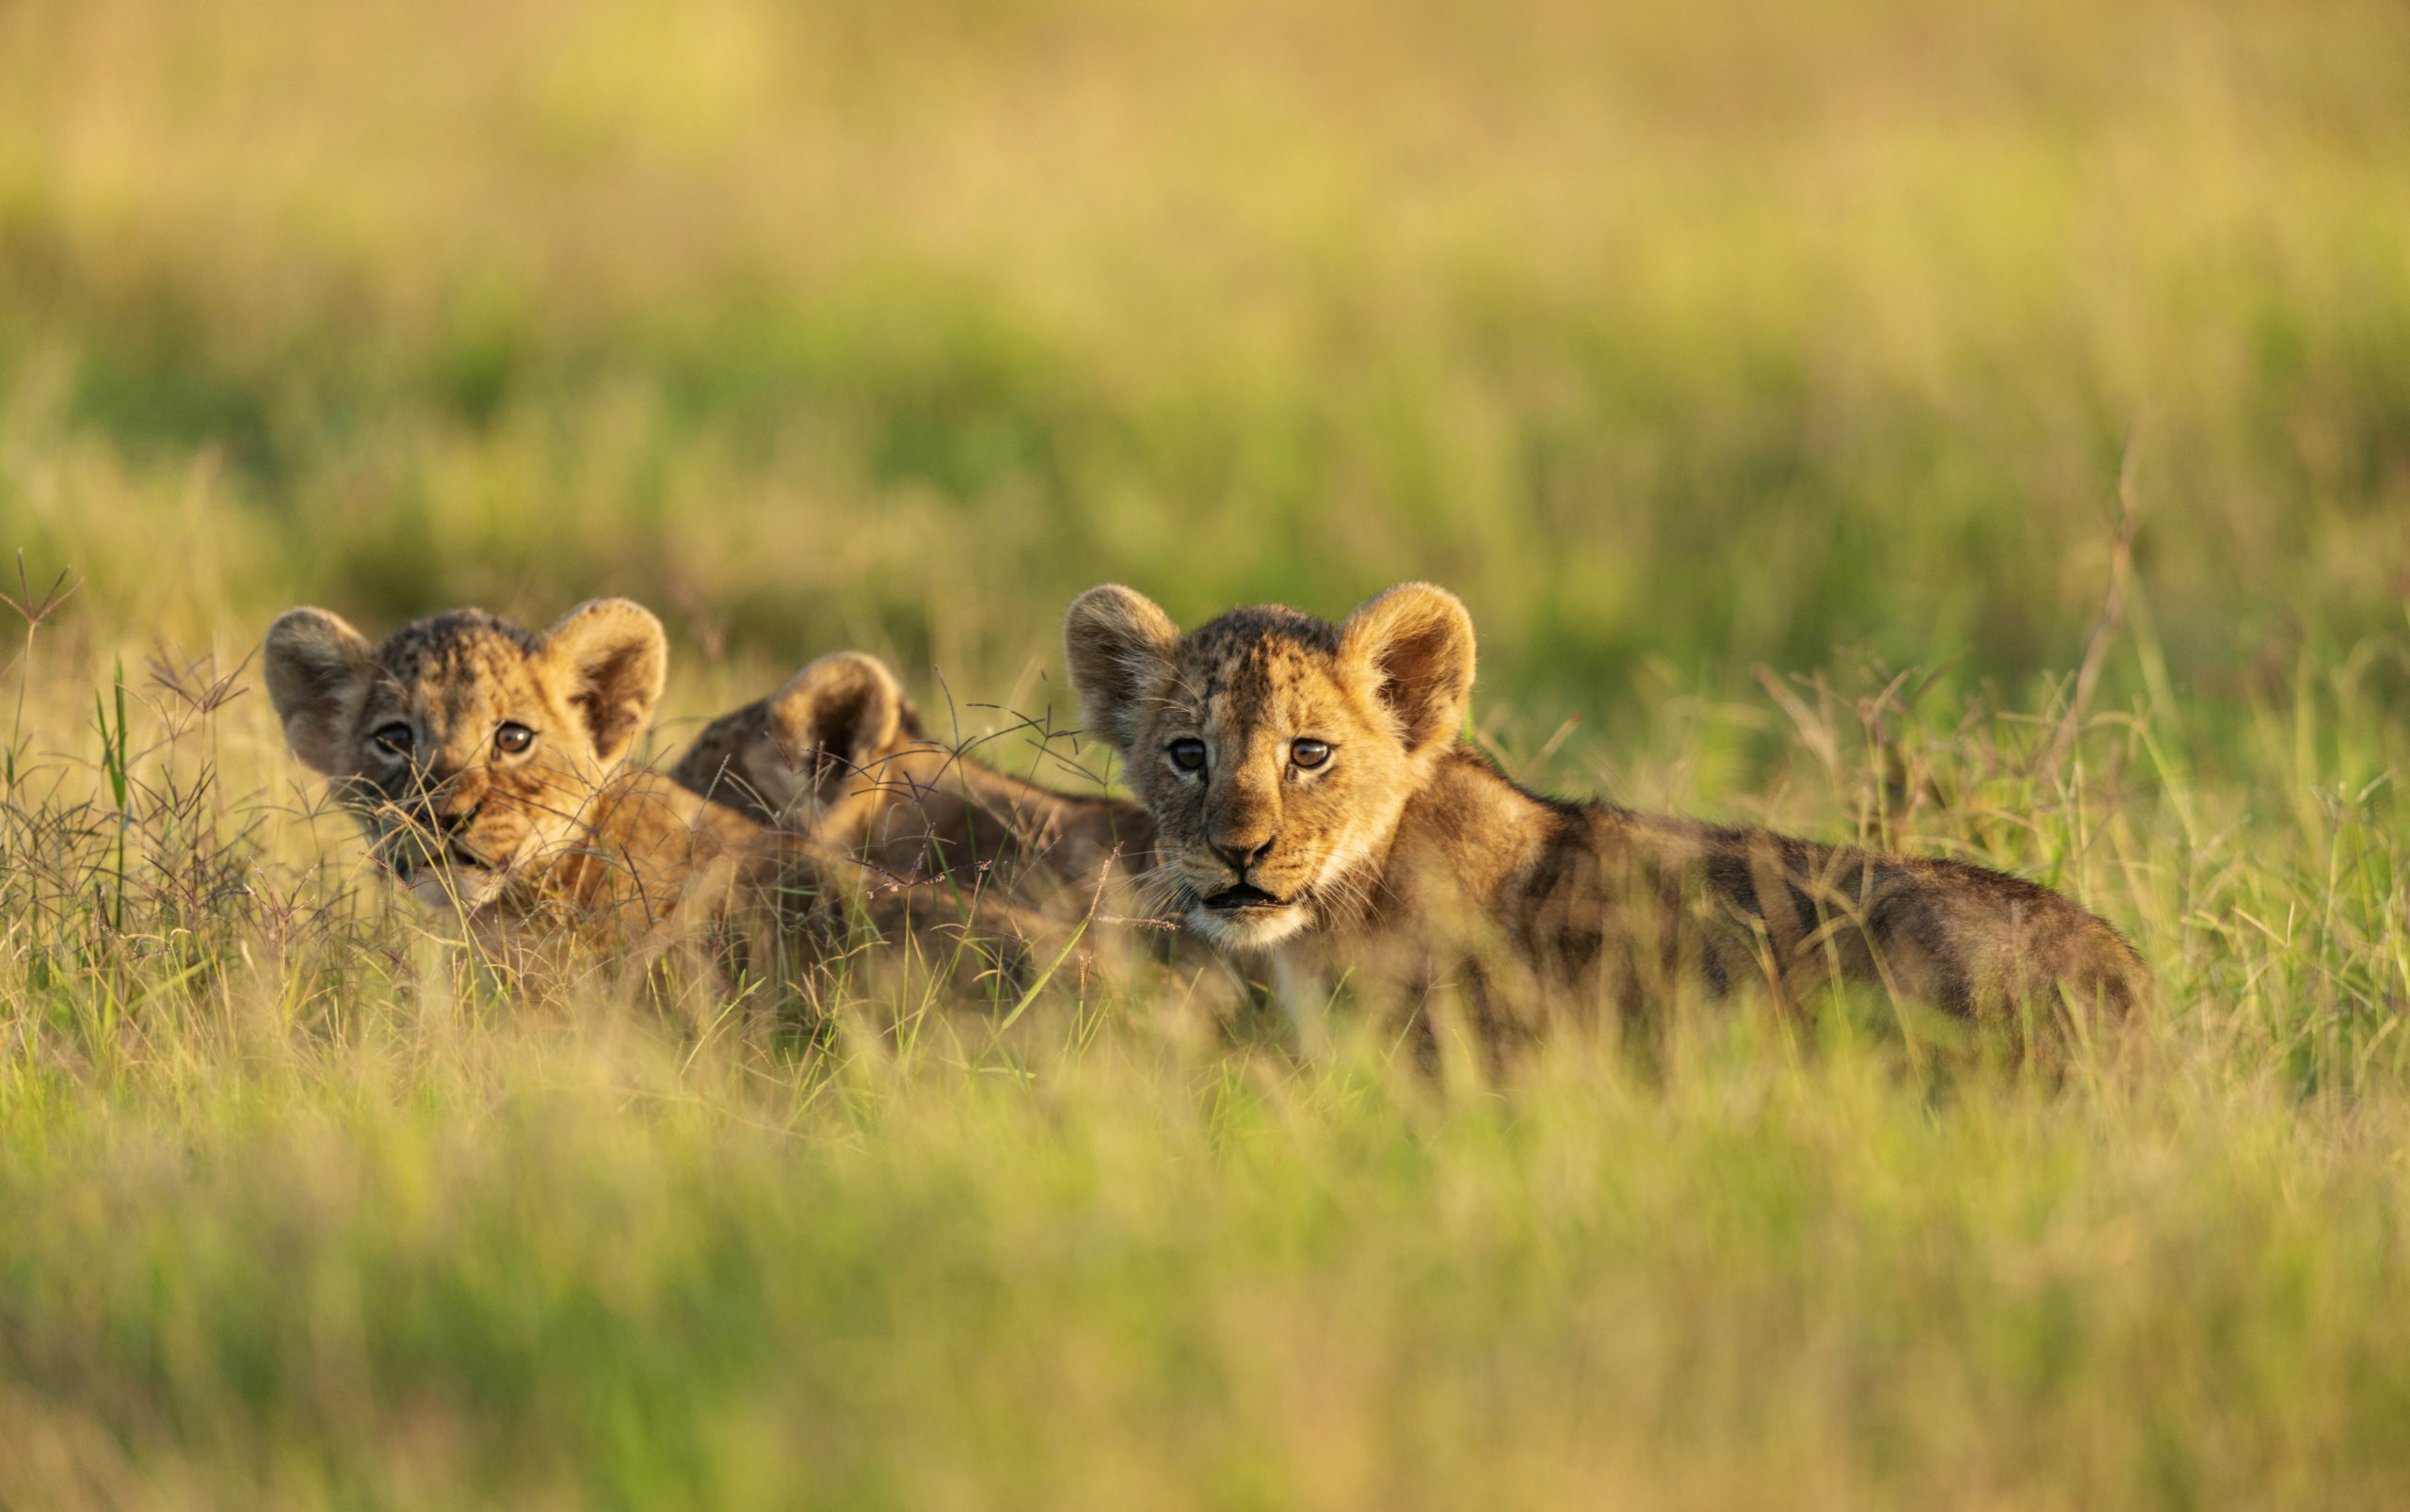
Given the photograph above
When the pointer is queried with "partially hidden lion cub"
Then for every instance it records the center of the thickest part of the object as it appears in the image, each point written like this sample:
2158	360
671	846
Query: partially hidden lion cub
486	762
1306	783
838	754
488	766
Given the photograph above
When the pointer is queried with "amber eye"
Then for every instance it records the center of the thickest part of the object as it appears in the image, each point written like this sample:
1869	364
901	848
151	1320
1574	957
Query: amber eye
512	739
1308	752
395	738
1188	755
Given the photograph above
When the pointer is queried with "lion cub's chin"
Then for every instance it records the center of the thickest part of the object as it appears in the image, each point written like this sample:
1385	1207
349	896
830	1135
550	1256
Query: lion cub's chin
454	889
1250	929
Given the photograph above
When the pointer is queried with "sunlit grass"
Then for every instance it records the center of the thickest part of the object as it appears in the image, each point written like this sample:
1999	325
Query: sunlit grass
1763	374
305	1210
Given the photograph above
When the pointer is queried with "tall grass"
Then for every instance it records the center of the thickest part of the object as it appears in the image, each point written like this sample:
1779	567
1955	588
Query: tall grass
1778	383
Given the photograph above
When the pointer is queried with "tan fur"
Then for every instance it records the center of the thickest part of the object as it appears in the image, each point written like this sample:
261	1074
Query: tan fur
556	831
838	755
463	822
1408	852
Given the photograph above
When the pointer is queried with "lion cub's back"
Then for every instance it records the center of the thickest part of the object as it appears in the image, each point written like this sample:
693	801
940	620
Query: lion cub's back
1964	938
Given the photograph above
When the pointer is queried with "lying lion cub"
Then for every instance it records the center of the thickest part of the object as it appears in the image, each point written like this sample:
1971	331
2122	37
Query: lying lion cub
486	764
1305	778
838	754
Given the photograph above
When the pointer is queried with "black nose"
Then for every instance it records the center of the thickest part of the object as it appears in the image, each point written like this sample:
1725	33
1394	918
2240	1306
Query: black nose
1239	857
451	821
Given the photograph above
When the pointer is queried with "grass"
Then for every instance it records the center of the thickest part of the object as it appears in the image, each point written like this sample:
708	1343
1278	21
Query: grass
1774	380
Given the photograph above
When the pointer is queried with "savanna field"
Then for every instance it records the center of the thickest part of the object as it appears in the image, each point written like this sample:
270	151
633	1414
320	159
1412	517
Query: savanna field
1982	431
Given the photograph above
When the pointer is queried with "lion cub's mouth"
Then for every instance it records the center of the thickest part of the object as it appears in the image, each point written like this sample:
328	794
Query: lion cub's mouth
406	866
451	878
1242	897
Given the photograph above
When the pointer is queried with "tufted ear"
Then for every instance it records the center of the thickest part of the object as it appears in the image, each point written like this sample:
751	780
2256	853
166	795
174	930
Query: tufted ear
1415	642
614	657
1118	646
845	706
318	673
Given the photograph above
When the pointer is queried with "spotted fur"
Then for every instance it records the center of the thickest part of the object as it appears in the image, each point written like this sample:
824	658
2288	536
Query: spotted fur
1306	783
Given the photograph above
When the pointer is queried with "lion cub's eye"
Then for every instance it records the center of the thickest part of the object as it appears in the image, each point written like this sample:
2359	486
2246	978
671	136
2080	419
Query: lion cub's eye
513	738
1308	752
394	739
1188	755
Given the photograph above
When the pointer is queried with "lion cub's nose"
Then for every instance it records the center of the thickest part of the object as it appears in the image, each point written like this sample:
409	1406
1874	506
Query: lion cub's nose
1241	856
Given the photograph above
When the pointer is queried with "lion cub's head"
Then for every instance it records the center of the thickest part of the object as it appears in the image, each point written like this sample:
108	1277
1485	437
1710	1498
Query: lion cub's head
1275	750
792	758
467	747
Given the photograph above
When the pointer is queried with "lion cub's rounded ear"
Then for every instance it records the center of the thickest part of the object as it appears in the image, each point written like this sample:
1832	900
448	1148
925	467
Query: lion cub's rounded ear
846	705
1119	647
1416	641
616	658
318	671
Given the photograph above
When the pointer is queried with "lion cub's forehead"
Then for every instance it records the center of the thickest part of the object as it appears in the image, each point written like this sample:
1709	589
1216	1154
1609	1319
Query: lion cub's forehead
450	662
740	728
1264	668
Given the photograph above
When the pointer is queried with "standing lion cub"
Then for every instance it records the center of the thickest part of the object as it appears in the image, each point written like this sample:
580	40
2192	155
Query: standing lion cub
1307	780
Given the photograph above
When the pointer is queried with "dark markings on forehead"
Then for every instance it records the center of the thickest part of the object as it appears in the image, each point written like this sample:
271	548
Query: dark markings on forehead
464	640
458	653
738	725
1245	648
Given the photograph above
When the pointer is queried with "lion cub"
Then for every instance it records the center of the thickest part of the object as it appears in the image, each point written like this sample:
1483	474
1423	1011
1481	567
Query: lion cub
484	762
1306	778
487	765
838	754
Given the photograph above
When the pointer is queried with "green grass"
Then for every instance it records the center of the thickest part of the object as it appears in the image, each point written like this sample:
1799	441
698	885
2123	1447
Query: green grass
513	1268
1707	349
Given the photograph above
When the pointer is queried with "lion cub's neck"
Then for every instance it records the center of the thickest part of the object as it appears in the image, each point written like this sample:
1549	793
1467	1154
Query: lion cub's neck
1461	840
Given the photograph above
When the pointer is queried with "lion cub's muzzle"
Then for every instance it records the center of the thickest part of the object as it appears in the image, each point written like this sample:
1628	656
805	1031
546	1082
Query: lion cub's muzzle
411	847
419	837
1241	894
1238	913
438	863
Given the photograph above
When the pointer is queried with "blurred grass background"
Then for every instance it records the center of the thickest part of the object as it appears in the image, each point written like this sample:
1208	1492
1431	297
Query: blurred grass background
1682	339
1732	332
